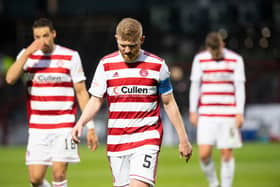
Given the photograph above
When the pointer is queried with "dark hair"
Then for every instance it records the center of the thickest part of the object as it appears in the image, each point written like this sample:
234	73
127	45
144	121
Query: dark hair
213	40
43	22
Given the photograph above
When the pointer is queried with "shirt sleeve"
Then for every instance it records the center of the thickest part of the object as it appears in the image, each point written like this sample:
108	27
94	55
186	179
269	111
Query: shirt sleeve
194	96
99	83
240	96
239	84
239	73
165	86
196	71
77	72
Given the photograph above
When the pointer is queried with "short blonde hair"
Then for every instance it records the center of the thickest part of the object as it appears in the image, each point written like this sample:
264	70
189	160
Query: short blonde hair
129	29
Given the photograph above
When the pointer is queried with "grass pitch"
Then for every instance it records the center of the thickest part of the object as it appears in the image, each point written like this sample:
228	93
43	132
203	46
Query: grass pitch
257	165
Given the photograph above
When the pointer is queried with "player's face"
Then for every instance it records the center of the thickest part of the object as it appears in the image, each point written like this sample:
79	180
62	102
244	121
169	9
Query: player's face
217	53
47	36
130	50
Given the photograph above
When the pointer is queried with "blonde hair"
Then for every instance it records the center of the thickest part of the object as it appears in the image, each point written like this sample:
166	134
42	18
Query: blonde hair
129	29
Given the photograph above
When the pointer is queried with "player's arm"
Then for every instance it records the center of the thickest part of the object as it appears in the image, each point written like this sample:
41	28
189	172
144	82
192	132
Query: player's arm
194	94
171	108
83	98
97	90
16	70
193	102
240	100
239	85
81	93
92	107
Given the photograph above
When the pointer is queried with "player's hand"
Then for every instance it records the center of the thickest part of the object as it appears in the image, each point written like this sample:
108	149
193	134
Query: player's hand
193	118
185	150
77	132
239	120
92	140
34	46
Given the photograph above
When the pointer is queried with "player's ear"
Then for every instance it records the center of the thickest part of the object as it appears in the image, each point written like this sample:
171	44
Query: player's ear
54	33
223	44
142	39
116	37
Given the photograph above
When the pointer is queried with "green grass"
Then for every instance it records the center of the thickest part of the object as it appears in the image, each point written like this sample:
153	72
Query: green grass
257	165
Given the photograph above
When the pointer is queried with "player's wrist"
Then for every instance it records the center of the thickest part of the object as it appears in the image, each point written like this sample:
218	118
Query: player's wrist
184	141
90	125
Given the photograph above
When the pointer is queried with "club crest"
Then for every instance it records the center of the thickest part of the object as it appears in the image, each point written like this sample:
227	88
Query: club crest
143	73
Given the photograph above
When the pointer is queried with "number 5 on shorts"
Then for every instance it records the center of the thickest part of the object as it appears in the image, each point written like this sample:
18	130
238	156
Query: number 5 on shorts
147	161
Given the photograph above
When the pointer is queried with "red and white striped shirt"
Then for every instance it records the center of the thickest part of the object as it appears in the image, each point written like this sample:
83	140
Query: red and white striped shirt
133	101
217	79
50	92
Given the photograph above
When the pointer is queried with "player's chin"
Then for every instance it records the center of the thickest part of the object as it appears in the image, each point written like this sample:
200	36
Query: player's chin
129	58
46	49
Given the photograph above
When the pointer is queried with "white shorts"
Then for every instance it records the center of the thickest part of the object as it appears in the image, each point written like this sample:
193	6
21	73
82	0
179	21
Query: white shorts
141	166
55	145
221	132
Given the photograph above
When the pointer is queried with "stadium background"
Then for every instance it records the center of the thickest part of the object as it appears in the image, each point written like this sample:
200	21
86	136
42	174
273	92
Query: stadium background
174	30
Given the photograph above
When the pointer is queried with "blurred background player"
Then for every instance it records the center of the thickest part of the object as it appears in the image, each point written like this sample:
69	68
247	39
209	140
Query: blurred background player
133	81
54	76
217	97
